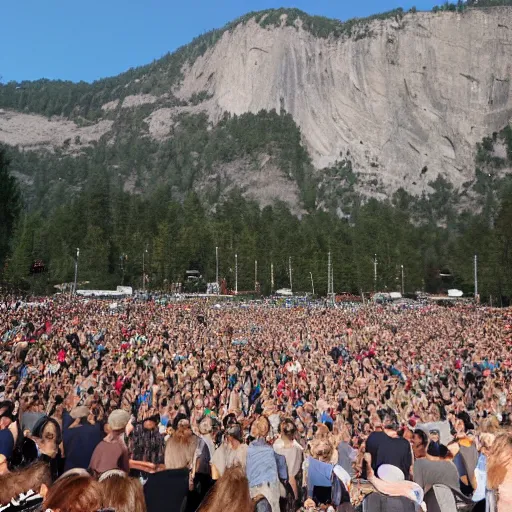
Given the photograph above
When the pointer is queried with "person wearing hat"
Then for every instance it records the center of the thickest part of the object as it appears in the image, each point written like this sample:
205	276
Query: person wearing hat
79	437
394	492
112	453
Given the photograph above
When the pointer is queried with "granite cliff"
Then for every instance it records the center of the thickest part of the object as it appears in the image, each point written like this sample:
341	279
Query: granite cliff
404	98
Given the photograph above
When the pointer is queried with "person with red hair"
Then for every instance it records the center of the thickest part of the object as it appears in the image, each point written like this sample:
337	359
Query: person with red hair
75	493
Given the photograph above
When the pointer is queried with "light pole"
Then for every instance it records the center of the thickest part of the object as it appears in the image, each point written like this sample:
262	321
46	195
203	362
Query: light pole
217	267
76	269
143	269
271	277
476	275
236	274
290	269
402	268
312	283
375	273
329	274
332	284
255	274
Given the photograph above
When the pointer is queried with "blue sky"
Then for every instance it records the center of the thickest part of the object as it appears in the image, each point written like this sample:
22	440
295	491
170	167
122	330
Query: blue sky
89	39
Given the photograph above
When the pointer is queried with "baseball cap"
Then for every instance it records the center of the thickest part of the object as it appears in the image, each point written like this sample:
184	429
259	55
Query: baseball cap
118	419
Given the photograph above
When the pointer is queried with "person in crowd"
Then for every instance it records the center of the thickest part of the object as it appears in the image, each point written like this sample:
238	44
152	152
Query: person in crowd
4	465
483	442
319	472
347	455
112	453
47	435
232	451
465	457
419	443
205	431
8	432
287	446
231	492
203	474
436	468
31	412
146	444
499	474
430	368
393	493
25	488
80	436
262	466
184	450
121	493
387	447
181	448
74	493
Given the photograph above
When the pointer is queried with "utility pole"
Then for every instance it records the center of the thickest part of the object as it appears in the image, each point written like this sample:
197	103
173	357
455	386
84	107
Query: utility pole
312	283
76	269
332	284
236	274
375	273
330	278
329	274
217	268
290	270
271	277
402	268
476	276
255	274
143	268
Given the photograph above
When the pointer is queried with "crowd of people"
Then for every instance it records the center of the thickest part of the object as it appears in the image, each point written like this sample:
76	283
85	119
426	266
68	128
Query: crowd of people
194	406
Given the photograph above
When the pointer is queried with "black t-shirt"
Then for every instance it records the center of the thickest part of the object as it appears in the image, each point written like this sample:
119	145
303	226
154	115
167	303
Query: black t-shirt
376	502
389	450
163	485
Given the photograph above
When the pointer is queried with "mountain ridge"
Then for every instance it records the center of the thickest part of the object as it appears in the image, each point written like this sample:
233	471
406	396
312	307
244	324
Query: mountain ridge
384	94
266	18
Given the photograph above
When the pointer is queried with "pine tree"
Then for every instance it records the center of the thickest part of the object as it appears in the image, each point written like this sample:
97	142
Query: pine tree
10	207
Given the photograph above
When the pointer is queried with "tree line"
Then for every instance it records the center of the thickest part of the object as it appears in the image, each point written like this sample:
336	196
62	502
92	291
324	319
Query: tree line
114	229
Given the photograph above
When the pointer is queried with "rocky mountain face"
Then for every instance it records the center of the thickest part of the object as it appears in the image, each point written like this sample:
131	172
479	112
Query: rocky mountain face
393	101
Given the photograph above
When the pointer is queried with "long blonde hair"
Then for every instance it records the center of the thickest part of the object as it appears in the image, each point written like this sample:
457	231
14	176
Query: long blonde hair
123	494
499	460
490	425
181	447
231	492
